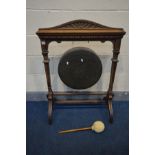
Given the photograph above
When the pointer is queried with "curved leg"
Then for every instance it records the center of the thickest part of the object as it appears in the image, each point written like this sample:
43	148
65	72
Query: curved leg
50	102
50	112
108	100
110	111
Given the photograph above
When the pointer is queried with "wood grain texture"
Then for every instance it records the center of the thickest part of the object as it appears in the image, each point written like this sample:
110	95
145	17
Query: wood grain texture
79	30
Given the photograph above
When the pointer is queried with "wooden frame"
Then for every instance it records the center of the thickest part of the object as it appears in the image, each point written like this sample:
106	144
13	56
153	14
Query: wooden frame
80	30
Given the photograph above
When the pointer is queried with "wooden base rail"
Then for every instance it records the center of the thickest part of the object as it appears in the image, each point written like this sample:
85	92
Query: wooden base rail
77	101
72	93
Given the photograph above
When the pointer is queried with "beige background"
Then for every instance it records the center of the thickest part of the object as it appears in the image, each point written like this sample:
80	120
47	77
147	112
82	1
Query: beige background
47	13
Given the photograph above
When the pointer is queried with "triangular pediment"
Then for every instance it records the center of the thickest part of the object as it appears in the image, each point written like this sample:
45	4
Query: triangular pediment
80	27
80	24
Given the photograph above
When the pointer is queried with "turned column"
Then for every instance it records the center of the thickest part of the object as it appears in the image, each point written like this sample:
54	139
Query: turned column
116	48
44	46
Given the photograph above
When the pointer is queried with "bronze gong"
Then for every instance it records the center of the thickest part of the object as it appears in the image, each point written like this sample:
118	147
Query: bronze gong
80	68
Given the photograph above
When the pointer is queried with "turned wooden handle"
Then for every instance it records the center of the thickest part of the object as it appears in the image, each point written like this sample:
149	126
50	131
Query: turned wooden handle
75	130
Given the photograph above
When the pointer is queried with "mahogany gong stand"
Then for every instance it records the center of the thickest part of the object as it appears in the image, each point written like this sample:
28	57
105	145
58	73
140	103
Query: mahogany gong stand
80	30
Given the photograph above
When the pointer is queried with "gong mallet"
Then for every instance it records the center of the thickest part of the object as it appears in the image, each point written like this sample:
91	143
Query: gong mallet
98	127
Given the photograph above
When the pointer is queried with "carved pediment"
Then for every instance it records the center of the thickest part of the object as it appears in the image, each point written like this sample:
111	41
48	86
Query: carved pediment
81	24
80	28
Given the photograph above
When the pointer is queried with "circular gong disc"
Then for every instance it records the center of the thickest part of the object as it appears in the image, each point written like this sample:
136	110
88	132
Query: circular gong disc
80	68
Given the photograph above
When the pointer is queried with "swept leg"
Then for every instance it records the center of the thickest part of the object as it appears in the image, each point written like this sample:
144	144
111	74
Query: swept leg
49	111
110	110
108	100
50	103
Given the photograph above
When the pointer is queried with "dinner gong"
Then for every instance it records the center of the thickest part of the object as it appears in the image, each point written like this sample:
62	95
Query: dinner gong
80	68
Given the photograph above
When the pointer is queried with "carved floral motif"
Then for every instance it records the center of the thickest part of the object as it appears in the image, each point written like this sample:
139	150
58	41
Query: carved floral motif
81	24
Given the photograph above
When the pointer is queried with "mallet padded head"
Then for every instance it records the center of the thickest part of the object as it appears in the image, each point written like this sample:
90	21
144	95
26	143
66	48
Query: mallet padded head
98	126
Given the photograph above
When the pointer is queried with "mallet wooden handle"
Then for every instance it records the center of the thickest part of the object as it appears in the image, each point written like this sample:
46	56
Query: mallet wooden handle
75	130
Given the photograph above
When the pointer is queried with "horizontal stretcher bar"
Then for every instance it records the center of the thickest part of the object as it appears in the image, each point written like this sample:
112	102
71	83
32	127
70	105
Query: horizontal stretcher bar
78	93
79	101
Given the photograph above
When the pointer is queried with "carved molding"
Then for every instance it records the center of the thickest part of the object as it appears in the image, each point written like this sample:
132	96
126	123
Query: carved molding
79	30
81	24
88	37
